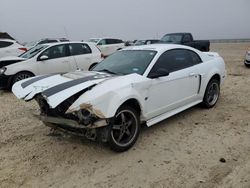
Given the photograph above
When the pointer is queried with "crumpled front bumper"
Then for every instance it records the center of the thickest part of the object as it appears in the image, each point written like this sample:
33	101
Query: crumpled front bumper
57	121
95	131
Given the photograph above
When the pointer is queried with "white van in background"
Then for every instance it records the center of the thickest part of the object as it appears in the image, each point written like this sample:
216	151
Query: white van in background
108	45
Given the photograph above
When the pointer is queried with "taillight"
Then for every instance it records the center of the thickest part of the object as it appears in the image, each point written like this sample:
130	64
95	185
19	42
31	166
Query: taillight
23	49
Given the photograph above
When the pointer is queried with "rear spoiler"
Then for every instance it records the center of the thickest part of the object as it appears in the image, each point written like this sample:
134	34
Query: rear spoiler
212	54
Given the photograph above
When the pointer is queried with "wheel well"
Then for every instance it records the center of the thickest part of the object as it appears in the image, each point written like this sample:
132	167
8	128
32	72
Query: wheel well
12	77
134	104
216	76
92	65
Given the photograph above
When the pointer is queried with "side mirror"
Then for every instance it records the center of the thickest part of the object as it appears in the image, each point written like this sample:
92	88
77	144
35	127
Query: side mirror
161	72
44	57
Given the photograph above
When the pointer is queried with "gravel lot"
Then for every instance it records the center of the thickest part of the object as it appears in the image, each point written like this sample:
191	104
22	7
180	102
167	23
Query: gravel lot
183	151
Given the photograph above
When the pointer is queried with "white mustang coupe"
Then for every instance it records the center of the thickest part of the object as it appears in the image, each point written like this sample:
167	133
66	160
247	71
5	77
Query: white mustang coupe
139	84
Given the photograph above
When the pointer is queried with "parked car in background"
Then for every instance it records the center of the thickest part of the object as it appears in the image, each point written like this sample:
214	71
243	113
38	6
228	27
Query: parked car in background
51	58
24	56
146	42
10	48
186	39
247	59
10	60
108	45
139	84
44	41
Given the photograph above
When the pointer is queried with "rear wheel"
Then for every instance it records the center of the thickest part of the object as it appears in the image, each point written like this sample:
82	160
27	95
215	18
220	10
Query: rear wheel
212	93
124	130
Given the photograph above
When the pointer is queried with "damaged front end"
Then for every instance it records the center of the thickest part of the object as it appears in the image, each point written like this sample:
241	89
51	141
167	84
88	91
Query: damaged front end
87	121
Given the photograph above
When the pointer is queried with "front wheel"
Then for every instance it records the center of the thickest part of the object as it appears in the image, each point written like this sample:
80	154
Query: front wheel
212	93
124	129
20	76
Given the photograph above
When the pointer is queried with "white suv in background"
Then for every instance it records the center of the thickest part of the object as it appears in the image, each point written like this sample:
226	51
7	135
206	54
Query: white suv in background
108	45
247	60
51	58
45	41
10	48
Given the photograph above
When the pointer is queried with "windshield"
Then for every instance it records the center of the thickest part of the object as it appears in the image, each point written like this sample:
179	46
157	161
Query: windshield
30	44
93	40
33	51
127	62
172	38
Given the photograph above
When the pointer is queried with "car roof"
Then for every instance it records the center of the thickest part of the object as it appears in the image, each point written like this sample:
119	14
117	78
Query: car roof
179	33
66	42
7	40
53	39
106	38
159	47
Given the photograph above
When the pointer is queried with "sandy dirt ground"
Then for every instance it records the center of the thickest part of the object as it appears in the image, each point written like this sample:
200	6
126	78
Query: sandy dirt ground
183	151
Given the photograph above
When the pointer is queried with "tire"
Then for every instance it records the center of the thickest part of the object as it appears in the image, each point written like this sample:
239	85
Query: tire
124	129
247	65
20	76
92	66
212	93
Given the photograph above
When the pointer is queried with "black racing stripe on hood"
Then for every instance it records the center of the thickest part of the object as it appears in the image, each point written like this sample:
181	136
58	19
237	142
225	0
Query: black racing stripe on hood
53	90
31	81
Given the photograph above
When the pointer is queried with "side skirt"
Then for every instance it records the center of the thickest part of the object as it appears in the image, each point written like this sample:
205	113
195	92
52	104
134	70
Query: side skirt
164	116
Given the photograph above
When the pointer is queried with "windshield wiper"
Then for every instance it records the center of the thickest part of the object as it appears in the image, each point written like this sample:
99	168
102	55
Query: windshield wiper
108	71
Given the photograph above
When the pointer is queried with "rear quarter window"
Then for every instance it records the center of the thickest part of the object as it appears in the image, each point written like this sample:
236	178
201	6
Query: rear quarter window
4	44
79	49
117	41
114	41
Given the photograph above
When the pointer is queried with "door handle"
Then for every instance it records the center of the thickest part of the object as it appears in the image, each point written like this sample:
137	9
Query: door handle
65	62
192	74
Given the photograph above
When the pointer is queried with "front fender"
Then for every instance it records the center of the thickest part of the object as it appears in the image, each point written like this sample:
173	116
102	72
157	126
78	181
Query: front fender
22	66
105	105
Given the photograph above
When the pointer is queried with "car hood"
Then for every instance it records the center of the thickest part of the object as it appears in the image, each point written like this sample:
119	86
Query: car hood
12	58
56	88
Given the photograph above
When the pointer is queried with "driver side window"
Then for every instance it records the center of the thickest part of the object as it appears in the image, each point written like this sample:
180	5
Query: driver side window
174	60
55	52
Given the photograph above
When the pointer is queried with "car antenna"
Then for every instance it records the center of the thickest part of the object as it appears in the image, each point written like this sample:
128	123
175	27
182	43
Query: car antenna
67	36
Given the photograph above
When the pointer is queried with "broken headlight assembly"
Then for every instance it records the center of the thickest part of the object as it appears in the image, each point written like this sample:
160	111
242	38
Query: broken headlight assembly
85	117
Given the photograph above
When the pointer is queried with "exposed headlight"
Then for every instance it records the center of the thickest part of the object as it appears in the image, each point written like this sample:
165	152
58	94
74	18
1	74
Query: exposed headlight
2	70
